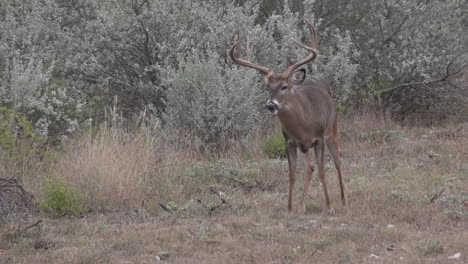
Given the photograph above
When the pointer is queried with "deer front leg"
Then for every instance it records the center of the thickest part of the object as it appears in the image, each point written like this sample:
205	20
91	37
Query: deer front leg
291	148
307	179
319	156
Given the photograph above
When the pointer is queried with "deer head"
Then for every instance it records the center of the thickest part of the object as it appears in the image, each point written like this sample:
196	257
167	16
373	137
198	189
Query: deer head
280	85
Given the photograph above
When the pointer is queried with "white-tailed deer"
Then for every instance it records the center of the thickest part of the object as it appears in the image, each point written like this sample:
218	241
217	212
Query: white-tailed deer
308	117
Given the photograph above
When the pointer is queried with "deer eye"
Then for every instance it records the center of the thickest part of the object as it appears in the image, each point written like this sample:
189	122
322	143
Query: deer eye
283	88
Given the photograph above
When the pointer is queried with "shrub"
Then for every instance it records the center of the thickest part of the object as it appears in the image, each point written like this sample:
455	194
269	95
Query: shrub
214	105
54	106
61	199
19	144
432	247
213	172
275	146
17	134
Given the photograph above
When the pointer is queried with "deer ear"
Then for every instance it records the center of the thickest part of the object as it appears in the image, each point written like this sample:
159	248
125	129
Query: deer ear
298	76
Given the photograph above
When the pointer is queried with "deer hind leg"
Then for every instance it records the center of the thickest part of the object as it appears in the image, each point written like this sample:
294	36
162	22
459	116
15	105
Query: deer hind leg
307	180
334	149
319	156
292	161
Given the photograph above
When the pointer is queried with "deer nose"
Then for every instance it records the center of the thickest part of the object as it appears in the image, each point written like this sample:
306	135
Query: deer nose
271	106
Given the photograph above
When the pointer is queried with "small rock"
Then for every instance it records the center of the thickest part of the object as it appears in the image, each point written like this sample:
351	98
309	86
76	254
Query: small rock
344	225
373	256
390	226
455	256
399	194
162	256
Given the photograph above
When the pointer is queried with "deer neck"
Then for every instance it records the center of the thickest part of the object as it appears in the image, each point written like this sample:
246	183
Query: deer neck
292	119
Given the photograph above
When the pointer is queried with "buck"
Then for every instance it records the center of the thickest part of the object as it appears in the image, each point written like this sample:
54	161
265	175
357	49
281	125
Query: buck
308	117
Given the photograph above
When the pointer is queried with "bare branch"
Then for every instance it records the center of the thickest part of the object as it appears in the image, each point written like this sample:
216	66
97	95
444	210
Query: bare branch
443	79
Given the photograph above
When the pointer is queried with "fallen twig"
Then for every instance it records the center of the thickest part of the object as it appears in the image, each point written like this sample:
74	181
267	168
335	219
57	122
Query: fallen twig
31	226
433	155
436	196
315	251
165	208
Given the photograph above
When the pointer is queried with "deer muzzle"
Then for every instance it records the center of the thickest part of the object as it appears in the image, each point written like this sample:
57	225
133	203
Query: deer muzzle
272	107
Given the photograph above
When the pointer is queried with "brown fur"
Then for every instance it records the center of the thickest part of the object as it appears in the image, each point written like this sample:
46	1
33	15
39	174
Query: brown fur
308	116
310	121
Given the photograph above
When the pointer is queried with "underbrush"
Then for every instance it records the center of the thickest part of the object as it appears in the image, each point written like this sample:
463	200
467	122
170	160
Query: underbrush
116	169
406	189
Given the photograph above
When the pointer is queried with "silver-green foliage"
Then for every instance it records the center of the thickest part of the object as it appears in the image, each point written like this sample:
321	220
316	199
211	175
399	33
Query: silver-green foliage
30	82
218	100
59	57
401	41
31	89
212	102
55	52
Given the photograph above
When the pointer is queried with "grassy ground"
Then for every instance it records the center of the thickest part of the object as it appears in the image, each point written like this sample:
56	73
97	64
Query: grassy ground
232	209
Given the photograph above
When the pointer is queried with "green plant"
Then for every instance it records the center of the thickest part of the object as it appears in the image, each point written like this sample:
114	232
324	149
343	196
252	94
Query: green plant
213	172
432	247
381	136
20	145
196	104
17	134
275	146
344	257
321	244
61	199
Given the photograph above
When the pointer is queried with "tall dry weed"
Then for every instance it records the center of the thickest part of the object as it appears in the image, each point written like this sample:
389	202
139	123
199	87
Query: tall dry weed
366	120
114	168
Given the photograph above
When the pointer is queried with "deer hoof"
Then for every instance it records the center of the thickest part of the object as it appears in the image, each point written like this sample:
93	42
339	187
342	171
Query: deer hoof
331	211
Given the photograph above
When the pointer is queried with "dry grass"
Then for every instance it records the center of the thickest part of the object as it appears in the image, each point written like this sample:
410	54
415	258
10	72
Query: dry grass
115	169
232	209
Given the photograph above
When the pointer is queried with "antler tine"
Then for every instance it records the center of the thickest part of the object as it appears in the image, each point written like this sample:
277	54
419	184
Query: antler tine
313	33
243	62
312	49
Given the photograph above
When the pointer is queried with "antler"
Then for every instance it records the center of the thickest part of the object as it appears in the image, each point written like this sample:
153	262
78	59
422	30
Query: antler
312	49
246	63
